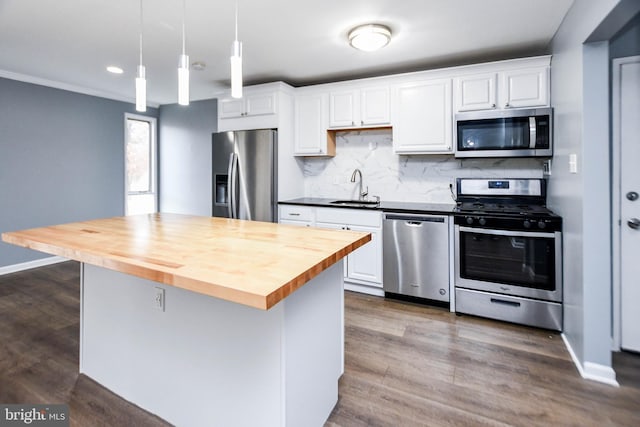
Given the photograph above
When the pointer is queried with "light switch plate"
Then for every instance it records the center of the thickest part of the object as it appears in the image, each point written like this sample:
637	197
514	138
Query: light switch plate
573	163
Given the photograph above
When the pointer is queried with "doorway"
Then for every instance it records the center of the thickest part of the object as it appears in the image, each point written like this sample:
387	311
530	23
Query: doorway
626	202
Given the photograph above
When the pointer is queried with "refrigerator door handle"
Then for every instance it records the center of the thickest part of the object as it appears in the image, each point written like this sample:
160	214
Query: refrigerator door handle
231	174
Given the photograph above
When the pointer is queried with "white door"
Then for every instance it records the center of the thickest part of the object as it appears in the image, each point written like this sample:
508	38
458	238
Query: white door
629	125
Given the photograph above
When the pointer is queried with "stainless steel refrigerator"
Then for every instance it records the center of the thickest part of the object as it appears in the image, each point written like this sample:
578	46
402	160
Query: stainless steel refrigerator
245	175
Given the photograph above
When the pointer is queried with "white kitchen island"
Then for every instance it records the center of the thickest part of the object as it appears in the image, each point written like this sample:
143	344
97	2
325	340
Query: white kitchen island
208	321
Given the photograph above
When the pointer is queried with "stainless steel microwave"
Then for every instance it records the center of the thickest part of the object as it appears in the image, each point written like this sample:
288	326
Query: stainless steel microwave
508	133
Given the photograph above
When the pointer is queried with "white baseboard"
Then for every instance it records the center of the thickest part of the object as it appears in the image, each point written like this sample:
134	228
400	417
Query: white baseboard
363	289
592	371
31	264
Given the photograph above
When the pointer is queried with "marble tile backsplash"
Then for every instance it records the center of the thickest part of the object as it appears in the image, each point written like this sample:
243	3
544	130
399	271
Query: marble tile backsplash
423	178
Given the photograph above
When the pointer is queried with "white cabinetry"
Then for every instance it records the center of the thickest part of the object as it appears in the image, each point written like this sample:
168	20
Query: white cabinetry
249	105
302	216
366	107
422	117
311	126
363	267
261	107
476	92
525	88
517	88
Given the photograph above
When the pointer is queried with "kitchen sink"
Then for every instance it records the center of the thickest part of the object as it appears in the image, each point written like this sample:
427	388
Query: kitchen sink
356	203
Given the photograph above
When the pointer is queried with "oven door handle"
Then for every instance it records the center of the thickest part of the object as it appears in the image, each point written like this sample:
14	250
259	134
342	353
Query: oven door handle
506	232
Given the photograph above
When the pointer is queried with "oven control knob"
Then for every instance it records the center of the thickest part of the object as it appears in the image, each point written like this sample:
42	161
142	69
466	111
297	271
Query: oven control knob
469	220
541	224
482	221
526	223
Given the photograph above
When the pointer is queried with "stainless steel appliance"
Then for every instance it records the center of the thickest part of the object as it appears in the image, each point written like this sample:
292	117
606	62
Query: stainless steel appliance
507	133
416	256
245	175
508	252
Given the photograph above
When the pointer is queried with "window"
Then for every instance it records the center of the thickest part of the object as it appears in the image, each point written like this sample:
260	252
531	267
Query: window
140	165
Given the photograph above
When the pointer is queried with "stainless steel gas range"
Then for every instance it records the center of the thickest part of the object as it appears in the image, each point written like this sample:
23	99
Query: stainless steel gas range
508	252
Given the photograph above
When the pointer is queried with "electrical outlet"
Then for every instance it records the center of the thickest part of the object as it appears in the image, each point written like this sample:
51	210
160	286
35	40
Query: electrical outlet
158	301
546	167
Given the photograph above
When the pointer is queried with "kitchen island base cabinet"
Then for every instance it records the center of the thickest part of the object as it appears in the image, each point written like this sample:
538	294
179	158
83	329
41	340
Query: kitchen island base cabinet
196	360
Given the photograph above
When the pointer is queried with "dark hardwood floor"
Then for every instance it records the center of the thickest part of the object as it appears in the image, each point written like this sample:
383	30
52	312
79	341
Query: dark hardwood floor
406	365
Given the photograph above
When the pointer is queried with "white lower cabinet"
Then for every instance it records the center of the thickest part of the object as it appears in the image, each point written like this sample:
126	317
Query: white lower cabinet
296	215
363	267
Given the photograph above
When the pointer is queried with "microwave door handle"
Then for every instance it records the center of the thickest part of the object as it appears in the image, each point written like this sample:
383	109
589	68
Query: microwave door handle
532	133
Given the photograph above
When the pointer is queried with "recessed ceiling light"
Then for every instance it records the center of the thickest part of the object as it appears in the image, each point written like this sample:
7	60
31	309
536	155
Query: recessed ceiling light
115	70
369	37
198	65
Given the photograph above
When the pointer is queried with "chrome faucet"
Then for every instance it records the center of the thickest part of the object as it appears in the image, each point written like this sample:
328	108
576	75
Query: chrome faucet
361	194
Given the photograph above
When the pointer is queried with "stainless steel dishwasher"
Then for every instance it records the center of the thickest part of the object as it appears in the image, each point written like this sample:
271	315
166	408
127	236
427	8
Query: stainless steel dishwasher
416	255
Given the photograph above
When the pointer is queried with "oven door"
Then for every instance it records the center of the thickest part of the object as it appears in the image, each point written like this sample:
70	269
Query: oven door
520	263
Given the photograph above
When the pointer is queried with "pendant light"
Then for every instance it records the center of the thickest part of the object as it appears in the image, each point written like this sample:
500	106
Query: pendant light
236	64
183	66
141	82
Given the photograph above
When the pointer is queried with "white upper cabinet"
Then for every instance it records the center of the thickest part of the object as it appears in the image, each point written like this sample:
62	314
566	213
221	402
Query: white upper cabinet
251	104
422	117
359	107
476	92
503	89
525	88
311	126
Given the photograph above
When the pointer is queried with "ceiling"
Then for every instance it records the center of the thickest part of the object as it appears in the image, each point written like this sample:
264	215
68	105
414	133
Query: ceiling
69	43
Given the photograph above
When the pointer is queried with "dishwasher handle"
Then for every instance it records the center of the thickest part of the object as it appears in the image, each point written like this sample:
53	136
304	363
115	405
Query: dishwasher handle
413	219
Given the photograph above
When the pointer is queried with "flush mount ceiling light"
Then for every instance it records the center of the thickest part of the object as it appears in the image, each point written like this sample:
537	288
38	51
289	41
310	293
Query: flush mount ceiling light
369	37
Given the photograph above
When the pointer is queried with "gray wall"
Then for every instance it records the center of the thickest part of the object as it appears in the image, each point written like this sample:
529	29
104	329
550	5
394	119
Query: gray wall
580	96
627	42
185	157
61	159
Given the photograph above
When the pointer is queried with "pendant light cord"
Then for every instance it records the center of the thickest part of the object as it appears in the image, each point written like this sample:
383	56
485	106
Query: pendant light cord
140	32
184	8
236	20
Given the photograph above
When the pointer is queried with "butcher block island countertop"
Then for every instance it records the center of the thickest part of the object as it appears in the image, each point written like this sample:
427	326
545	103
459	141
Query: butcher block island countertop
257	264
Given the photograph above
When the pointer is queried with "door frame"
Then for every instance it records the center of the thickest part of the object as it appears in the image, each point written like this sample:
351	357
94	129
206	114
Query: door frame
616	198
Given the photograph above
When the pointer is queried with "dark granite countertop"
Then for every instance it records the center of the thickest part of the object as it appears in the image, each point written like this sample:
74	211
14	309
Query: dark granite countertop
398	207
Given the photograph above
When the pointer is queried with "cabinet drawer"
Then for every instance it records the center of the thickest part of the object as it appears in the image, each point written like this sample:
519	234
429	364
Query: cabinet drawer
296	213
359	217
524	311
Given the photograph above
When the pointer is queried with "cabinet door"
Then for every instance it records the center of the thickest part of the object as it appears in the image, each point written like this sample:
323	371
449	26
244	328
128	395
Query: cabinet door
342	109
374	106
477	92
311	126
230	108
260	103
332	226
365	263
422	117
525	88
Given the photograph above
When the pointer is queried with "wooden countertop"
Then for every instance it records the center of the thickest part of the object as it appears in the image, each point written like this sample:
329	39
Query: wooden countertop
252	263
